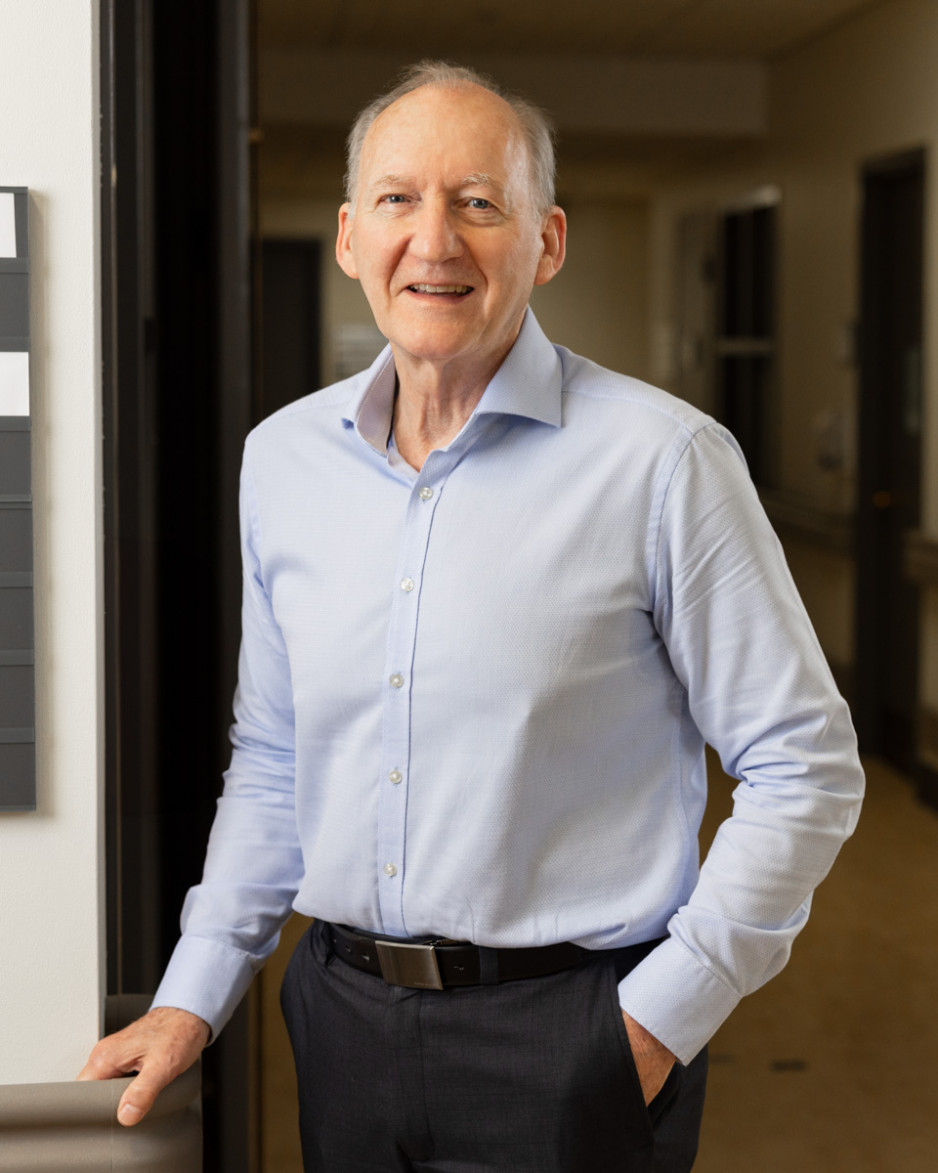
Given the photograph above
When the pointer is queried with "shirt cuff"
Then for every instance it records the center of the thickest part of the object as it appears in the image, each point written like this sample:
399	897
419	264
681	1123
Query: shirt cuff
207	978
675	997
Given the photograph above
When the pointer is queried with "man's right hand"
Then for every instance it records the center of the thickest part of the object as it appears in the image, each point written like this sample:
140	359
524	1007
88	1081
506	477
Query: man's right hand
159	1046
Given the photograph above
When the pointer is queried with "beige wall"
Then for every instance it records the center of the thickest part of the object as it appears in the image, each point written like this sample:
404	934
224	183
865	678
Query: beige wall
51	860
598	304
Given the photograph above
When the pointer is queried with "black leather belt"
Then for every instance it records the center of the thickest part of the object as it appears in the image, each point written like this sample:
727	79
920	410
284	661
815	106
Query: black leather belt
435	965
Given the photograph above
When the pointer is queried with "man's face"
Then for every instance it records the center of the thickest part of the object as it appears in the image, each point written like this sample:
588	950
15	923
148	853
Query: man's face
444	234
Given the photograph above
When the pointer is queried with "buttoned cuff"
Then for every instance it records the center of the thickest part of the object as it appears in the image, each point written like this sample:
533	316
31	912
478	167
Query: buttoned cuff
675	997
207	978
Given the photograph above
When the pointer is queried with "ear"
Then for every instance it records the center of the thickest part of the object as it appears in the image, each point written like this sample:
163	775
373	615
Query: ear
343	244
554	246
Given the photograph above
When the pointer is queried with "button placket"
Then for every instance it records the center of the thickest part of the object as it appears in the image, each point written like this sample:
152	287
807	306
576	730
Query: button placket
395	749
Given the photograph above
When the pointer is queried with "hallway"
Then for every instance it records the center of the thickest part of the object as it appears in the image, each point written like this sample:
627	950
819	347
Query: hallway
826	1070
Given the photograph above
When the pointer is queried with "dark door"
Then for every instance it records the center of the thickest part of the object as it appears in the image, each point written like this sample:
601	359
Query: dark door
178	390
290	321
890	456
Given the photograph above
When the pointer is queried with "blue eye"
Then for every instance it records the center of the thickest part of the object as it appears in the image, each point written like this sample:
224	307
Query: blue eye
479	203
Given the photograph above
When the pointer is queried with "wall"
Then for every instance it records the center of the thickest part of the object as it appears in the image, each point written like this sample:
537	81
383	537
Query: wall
51	916
597	305
868	89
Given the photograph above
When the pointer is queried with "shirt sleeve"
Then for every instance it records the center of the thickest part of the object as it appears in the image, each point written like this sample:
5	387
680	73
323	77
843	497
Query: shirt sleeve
760	691
231	921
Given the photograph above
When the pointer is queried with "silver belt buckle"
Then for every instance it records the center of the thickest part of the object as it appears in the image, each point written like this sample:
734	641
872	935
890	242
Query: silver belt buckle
414	966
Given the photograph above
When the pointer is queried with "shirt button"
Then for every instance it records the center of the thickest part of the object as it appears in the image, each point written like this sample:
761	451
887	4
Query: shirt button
390	869
426	493
396	777
397	681
407	584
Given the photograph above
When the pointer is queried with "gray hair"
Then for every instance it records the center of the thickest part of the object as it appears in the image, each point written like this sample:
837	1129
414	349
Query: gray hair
534	123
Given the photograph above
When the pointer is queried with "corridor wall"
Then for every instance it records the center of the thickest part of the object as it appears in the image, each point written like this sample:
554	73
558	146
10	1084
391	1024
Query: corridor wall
51	871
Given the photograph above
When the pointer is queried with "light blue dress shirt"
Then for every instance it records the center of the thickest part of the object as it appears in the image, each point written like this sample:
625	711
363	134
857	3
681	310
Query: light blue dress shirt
473	701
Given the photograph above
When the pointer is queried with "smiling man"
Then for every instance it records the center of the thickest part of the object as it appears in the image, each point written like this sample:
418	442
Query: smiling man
496	599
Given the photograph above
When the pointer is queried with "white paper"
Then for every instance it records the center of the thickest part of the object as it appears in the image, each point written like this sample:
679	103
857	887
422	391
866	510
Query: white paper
7	225
14	382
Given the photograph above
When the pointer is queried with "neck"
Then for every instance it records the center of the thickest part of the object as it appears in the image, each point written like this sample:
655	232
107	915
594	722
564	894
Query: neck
432	406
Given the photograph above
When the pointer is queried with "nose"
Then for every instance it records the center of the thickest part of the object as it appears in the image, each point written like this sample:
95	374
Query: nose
436	235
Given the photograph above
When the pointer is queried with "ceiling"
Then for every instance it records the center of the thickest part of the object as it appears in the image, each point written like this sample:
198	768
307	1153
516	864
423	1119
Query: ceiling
319	61
763	29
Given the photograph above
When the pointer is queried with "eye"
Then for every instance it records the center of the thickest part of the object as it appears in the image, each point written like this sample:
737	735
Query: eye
479	204
393	198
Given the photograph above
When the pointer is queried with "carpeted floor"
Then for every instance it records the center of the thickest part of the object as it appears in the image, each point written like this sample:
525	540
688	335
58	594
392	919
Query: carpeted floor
826	1070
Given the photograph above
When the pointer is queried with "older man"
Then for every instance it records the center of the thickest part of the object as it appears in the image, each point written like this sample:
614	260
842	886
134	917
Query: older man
495	600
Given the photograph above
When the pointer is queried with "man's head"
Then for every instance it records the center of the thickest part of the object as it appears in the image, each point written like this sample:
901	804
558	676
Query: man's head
534	124
446	229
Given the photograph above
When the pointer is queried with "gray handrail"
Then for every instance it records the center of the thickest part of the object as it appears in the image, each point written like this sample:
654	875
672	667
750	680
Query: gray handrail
62	1127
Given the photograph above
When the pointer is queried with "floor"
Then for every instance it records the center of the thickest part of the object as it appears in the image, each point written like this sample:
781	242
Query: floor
826	1070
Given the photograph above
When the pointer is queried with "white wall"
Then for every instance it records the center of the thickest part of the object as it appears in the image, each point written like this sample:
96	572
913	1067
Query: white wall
51	912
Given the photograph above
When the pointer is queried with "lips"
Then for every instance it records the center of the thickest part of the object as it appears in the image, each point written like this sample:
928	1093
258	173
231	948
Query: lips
439	289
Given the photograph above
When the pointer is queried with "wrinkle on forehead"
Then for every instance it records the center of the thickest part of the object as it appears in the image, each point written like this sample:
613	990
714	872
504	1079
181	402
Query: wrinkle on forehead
517	147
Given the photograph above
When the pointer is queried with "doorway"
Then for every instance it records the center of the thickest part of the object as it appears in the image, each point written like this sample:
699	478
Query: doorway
890	455
179	383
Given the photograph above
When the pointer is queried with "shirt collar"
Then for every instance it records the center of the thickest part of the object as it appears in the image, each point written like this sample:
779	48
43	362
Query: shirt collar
527	384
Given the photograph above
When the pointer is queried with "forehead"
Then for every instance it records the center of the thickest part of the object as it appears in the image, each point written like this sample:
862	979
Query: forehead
466	128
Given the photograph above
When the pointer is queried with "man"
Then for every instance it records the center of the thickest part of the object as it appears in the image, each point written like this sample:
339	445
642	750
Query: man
495	600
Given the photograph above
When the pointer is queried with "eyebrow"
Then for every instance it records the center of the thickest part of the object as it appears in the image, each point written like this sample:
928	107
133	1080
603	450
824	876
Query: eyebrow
391	181
479	179
473	179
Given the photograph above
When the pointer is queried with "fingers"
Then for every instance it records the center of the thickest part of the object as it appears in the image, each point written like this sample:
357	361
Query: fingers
157	1048
653	1060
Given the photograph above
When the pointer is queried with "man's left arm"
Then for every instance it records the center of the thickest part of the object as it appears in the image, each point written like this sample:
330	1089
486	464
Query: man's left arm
760	691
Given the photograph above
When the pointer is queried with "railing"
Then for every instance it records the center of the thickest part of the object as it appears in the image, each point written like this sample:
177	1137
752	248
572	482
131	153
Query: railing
64	1127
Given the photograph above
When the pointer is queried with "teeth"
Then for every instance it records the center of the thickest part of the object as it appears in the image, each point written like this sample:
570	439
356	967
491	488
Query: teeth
441	288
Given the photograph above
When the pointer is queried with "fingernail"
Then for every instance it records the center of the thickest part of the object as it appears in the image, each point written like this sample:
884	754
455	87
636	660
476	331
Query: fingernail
128	1114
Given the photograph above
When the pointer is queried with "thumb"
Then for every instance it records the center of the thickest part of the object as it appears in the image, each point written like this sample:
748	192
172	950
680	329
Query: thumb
139	1097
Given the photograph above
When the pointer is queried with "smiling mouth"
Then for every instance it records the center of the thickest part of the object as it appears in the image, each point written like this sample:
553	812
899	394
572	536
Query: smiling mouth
460	290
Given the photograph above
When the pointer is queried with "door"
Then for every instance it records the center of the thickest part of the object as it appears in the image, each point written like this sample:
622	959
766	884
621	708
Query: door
890	456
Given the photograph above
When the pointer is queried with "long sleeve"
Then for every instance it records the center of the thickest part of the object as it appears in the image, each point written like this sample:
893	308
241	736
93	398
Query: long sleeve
254	864
759	690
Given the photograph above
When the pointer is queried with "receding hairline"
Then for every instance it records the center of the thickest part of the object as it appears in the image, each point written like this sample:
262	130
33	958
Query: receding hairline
515	138
532	125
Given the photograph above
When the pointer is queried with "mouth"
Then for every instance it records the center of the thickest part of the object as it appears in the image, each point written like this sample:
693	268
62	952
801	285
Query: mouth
441	290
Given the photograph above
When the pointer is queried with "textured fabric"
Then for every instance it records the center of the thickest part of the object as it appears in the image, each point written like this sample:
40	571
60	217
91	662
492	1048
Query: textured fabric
473	702
532	1076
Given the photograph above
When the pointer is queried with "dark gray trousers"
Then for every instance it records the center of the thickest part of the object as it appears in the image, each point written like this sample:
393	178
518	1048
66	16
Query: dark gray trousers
531	1076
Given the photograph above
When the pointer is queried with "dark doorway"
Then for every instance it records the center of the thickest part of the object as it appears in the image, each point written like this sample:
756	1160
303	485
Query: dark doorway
290	321
178	398
746	343
890	456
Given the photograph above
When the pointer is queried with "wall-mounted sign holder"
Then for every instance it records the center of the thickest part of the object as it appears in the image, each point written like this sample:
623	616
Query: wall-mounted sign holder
17	656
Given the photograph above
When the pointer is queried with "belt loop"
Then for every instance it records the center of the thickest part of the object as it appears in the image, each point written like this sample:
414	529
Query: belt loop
488	966
320	930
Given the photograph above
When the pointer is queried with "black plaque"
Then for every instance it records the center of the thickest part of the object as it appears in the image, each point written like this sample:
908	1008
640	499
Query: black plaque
17	659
